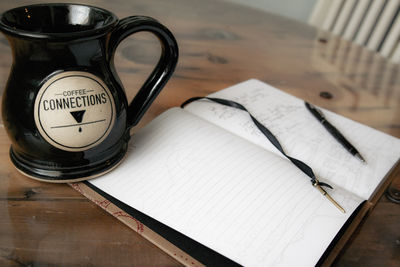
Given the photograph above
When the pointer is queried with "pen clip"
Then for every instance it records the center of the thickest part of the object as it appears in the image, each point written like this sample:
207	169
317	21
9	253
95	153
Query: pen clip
317	110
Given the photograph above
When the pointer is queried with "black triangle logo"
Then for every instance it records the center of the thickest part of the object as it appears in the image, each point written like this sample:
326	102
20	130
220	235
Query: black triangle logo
78	115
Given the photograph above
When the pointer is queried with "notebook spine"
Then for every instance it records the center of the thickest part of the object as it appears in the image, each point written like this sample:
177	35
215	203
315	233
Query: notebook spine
136	225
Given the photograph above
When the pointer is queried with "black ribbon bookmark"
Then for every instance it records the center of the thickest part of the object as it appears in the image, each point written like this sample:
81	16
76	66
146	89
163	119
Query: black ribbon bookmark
301	165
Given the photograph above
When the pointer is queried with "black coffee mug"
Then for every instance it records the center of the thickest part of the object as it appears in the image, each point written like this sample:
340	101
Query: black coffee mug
64	107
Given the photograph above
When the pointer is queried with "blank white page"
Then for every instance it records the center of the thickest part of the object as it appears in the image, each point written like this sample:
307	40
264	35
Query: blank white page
303	137
230	195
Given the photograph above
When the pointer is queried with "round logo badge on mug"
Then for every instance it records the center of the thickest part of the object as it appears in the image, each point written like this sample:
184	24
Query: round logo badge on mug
74	111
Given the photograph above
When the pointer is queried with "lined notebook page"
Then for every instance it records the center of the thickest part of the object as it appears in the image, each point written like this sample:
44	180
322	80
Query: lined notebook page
303	137
234	197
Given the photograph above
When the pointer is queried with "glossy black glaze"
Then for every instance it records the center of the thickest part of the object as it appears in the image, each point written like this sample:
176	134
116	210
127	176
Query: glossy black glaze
46	40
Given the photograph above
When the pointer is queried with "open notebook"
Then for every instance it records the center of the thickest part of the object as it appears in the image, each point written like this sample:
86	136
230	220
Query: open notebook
207	172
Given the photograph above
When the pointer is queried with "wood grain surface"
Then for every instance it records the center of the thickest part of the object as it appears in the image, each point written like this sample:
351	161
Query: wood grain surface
220	44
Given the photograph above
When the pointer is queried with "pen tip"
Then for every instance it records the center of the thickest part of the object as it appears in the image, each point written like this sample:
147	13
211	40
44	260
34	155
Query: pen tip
360	157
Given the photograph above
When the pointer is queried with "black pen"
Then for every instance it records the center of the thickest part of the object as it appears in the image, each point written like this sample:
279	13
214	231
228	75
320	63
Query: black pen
333	131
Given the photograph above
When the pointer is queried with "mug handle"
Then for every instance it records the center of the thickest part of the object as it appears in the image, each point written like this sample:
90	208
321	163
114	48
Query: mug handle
161	73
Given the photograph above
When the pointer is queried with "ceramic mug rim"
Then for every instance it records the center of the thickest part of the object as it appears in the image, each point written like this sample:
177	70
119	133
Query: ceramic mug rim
109	21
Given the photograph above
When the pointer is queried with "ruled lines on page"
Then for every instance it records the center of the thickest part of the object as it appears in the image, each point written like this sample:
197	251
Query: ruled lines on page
238	199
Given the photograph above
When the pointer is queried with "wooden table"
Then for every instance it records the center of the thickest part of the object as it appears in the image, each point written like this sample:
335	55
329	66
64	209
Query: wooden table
220	44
